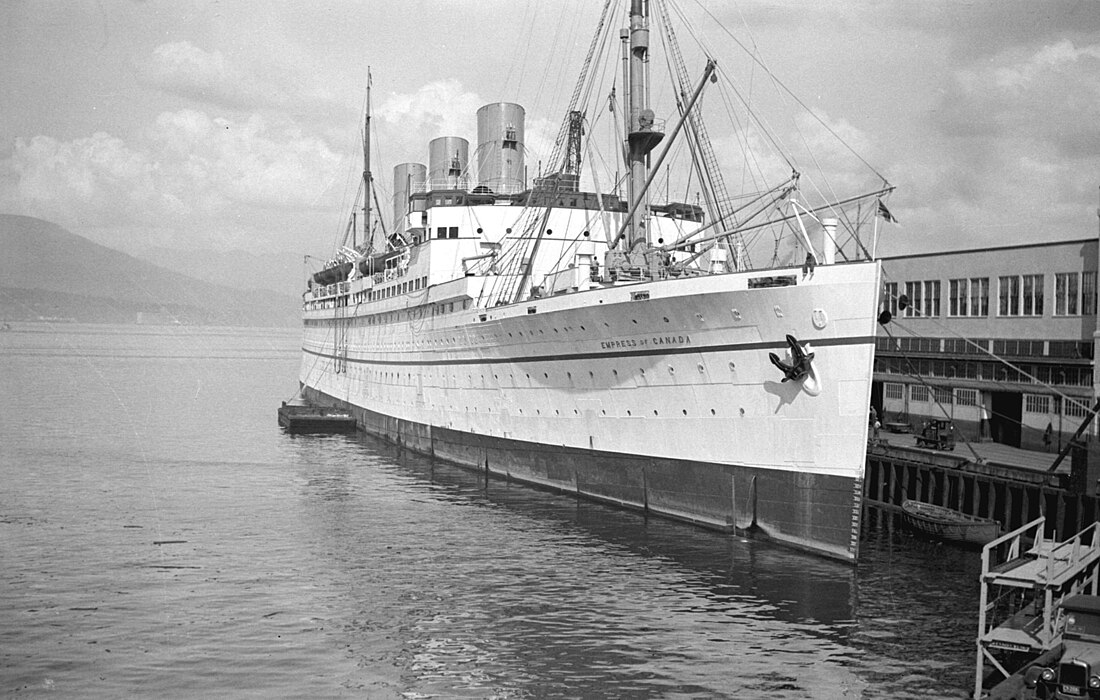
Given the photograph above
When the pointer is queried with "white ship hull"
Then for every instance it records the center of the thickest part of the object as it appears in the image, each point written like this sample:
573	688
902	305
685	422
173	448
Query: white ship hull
656	395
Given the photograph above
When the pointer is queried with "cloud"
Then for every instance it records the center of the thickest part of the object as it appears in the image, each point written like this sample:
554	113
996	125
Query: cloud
209	77
188	171
1013	128
183	69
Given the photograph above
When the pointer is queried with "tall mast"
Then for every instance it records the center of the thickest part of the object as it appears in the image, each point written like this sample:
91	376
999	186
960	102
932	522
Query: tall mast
367	181
642	137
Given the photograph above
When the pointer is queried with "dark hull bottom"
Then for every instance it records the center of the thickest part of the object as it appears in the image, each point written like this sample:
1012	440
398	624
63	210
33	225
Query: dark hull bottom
814	512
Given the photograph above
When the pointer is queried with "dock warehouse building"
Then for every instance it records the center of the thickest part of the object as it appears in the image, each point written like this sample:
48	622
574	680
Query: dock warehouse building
1000	341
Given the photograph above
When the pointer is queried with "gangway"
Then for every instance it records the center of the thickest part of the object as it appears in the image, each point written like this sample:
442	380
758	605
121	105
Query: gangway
1025	577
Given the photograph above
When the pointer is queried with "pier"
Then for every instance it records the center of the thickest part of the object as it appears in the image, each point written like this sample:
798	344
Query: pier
988	480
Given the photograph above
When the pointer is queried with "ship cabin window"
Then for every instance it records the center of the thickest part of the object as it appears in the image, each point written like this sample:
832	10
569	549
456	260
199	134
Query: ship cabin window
453	232
441	232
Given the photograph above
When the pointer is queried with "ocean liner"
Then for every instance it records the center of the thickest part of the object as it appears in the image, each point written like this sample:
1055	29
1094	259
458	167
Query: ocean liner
607	342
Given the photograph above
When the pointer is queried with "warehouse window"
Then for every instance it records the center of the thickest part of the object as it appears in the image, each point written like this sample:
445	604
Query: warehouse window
1088	293
893	390
968	297
966	397
1033	295
924	298
1008	296
1020	299
1074	409
890	294
932	298
1033	403
1066	294
918	393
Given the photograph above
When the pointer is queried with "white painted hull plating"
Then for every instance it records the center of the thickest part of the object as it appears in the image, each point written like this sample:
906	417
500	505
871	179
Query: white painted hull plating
680	381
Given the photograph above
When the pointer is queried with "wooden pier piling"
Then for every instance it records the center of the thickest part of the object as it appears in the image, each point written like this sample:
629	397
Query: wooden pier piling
1011	495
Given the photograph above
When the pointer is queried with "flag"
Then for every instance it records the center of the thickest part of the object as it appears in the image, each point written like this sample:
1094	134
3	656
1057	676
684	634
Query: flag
885	213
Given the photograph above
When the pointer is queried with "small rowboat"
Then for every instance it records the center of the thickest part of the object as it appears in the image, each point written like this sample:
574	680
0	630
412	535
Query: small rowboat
947	524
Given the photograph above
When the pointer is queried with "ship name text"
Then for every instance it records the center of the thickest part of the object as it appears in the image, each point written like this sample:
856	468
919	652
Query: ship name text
657	340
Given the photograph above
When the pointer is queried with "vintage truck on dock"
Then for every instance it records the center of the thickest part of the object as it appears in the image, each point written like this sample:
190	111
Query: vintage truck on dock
1076	672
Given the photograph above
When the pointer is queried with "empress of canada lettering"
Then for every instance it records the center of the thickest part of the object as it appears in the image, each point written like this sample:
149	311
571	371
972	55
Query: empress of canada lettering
623	343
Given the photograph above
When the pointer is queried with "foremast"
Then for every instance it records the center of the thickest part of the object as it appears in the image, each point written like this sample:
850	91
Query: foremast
643	134
368	180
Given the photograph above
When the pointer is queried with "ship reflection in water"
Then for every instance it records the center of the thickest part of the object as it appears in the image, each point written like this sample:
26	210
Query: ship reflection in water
473	588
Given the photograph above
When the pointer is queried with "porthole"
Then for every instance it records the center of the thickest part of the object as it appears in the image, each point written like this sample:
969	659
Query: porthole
702	369
671	369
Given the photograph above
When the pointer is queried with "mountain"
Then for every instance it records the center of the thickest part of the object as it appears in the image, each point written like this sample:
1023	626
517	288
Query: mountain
46	271
280	273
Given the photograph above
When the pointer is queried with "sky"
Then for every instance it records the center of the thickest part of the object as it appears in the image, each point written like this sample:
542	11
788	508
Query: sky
217	125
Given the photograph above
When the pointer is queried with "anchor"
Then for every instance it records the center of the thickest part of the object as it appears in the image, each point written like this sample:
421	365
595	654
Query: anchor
799	366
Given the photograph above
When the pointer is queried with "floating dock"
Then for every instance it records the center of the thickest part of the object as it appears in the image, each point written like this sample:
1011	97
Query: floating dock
1025	578
298	417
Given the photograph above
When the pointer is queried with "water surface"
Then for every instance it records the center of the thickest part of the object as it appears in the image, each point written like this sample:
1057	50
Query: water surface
160	536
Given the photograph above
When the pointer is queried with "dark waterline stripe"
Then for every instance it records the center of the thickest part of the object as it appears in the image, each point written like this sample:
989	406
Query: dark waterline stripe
827	342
